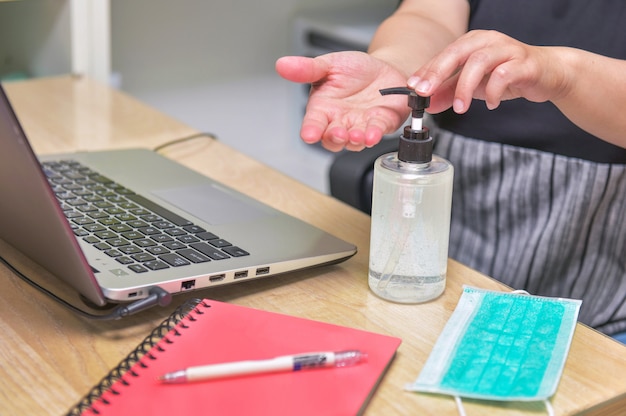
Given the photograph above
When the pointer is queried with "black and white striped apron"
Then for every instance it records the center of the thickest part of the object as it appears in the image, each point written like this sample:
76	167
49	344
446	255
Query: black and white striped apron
549	224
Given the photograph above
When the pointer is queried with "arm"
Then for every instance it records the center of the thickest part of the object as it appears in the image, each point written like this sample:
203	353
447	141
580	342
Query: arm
345	108
419	30
588	88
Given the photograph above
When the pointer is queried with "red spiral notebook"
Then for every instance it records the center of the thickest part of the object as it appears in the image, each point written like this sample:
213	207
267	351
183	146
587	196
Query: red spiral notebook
216	332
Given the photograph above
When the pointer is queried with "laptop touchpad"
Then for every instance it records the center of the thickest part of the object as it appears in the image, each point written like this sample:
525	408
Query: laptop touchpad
213	204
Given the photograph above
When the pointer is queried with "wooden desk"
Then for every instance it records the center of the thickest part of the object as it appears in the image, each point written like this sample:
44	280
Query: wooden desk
49	357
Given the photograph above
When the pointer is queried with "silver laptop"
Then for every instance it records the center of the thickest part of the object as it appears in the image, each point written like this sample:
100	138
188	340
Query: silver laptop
120	227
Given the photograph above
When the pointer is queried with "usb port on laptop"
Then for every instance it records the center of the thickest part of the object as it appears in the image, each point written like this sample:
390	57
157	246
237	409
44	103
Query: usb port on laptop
262	270
241	274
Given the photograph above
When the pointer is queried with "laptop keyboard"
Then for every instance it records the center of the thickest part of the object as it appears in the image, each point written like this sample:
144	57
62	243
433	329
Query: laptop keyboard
128	227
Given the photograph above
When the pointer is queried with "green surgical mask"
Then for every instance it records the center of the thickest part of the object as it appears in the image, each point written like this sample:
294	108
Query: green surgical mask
501	346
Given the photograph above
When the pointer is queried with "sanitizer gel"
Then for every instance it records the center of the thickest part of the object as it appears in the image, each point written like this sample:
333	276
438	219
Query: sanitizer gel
411	203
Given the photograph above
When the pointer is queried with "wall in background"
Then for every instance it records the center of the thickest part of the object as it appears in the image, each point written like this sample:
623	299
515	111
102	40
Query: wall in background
34	38
164	43
211	65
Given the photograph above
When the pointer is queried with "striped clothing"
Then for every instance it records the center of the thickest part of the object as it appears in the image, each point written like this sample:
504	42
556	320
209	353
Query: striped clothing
549	224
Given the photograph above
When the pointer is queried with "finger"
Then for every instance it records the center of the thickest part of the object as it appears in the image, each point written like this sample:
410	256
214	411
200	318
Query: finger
314	124
430	76
498	85
470	78
301	69
310	133
356	139
375	130
491	64
373	135
512	80
335	136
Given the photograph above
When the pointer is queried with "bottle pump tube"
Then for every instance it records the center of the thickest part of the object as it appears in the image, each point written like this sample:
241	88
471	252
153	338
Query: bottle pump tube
411	204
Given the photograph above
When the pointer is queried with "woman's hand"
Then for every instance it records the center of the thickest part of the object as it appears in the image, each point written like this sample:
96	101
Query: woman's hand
489	66
345	108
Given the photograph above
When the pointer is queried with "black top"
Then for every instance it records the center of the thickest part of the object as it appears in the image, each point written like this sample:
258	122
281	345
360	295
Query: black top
593	25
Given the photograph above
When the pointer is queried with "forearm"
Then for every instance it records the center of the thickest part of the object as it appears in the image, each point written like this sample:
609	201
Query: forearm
594	93
417	31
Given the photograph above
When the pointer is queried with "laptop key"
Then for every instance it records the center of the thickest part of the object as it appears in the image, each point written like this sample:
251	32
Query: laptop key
193	256
106	235
137	268
161	238
130	249
188	239
142	257
120	228
205	235
236	251
144	242
219	243
149	230
174	259
156	265
194	229
102	246
157	250
209	251
174	245
118	242
159	210
132	235
91	239
125	260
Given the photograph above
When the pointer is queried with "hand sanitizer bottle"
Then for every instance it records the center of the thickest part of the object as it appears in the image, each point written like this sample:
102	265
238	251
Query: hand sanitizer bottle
411	205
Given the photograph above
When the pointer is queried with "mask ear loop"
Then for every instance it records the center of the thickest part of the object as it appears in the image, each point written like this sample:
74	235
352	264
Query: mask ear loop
461	409
459	405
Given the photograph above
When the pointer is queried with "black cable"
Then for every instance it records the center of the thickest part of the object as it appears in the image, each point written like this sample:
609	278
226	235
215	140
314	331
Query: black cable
185	139
157	296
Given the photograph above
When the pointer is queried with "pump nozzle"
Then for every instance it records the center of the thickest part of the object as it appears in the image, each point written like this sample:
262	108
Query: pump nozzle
417	103
416	145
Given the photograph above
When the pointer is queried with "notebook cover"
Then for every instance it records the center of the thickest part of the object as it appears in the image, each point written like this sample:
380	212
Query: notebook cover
216	332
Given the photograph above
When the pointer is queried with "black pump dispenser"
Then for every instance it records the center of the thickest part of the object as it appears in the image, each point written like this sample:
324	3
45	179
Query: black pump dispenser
416	145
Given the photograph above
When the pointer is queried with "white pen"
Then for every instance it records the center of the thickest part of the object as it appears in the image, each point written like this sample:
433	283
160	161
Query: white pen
284	363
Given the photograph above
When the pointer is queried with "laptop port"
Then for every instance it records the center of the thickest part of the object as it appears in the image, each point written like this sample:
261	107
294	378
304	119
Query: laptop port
262	270
241	274
217	278
188	285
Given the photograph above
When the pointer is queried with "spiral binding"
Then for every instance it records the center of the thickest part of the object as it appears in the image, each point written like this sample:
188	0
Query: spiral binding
135	356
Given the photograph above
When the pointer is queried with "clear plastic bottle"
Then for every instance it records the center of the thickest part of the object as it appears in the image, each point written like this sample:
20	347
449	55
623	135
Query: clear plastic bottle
410	228
411	205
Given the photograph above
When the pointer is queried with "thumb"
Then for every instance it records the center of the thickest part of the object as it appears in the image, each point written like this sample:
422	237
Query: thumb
301	69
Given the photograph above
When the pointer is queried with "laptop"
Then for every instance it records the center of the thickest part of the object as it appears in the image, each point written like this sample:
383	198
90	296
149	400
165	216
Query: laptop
123	226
